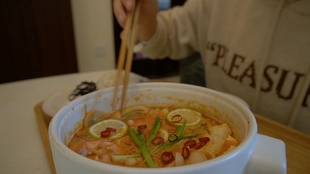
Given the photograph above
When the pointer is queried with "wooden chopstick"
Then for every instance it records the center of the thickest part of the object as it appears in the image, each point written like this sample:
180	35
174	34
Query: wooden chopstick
130	27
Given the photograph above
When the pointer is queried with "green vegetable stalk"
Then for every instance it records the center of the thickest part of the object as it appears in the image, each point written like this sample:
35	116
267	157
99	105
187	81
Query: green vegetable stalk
154	130
123	157
138	139
168	144
178	133
180	129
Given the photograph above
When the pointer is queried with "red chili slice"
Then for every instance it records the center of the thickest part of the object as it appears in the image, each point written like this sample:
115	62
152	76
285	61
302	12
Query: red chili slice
185	152
167	157
158	141
141	127
173	137
202	142
204	139
110	129
190	143
176	118
105	134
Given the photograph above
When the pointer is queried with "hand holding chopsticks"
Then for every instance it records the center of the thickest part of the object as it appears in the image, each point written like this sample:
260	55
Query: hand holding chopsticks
130	28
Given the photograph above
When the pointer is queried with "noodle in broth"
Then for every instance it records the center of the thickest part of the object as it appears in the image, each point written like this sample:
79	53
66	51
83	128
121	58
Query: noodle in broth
153	137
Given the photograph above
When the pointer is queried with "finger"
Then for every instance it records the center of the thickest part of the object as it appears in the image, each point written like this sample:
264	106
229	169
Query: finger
119	12
129	4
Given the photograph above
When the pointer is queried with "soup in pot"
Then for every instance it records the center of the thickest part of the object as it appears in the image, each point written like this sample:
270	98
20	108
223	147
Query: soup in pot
145	136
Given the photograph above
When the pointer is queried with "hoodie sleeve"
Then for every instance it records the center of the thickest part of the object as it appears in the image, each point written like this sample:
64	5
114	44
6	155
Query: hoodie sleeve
176	35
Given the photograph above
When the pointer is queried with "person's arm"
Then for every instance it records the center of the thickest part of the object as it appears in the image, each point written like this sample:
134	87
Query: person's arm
177	34
171	33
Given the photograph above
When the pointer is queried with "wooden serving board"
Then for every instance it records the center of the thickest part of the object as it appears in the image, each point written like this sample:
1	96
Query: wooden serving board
43	123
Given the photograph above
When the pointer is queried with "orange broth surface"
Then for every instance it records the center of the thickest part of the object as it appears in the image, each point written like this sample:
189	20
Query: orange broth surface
103	149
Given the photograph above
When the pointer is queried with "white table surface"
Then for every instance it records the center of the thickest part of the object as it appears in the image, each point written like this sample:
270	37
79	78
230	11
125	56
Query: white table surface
21	147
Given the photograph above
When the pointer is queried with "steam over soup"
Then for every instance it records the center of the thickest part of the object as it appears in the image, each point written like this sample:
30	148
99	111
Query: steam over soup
143	136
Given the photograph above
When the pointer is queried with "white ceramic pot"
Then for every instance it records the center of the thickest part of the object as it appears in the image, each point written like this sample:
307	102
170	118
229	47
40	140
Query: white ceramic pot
226	109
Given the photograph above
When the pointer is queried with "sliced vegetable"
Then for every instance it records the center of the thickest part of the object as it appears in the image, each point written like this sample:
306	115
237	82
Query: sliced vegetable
163	133
197	157
141	127
157	141
105	134
110	129
139	140
192	117
135	137
179	160
120	129
131	161
167	157
178	134
154	130
202	142
173	137
217	139
131	111
124	157
180	129
190	143
185	152
168	144
176	118
93	117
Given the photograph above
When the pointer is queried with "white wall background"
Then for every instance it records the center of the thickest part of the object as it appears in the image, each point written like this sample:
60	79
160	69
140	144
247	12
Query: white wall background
94	37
